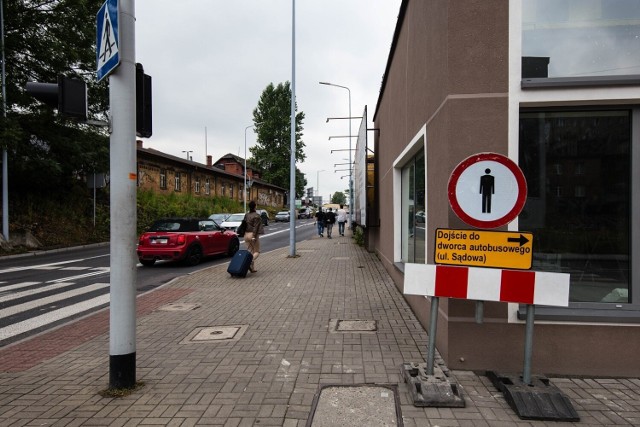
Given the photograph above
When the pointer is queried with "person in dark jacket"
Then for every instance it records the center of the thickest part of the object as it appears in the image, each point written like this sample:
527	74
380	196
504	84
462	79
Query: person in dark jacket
329	220
320	222
255	228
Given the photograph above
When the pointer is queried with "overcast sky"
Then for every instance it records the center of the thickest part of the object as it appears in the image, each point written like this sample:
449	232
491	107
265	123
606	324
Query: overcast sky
210	60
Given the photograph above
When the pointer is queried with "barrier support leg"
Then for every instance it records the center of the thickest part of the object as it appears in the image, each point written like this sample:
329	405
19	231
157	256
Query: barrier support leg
528	344
433	326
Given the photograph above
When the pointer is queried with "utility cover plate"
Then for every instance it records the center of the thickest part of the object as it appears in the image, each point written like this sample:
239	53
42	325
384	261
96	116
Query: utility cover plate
536	401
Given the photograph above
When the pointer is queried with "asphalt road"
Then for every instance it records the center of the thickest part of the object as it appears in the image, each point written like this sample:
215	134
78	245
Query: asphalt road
41	291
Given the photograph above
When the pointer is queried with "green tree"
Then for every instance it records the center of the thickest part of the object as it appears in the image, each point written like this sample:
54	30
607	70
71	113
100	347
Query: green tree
339	198
272	152
44	39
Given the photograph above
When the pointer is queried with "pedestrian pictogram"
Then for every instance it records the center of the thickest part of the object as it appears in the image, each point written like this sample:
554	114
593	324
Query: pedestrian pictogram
487	190
107	39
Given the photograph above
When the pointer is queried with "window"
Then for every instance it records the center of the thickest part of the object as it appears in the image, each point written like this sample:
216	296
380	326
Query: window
222	190
577	39
178	183
413	210
231	191
586	232
197	185
207	186
163	179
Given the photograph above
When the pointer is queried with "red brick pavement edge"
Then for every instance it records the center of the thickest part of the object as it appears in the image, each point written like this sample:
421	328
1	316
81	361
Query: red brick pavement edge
27	354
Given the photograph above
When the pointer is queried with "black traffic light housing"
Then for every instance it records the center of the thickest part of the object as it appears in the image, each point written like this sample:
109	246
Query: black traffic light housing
143	103
69	96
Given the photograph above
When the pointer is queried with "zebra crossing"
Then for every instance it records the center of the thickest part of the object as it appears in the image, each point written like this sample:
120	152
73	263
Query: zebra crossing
30	306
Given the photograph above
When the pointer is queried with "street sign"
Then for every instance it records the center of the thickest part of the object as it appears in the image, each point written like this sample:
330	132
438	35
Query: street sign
487	190
107	39
474	248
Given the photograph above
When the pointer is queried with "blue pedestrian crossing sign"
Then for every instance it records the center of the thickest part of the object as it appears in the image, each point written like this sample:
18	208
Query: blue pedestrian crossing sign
107	39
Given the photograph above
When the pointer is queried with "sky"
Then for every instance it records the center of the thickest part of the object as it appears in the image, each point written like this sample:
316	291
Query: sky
210	61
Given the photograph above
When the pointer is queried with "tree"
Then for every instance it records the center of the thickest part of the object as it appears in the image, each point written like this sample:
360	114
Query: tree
44	39
339	198
272	152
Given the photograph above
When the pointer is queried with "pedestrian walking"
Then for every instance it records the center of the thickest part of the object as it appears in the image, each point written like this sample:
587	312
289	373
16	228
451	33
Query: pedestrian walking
320	222
255	228
341	217
329	220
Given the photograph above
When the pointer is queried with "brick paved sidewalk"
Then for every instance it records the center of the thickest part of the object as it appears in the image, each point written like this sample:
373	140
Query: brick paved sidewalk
270	371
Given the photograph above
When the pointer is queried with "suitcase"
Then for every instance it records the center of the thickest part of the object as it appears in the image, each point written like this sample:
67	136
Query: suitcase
240	263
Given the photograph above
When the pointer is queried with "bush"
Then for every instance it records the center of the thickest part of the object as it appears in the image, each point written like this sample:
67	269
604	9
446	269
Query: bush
358	235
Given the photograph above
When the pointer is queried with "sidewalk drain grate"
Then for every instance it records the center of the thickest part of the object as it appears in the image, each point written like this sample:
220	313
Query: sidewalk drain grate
178	306
215	333
353	325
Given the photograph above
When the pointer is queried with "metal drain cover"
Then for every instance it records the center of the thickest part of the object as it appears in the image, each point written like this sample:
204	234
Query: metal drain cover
179	306
353	325
216	333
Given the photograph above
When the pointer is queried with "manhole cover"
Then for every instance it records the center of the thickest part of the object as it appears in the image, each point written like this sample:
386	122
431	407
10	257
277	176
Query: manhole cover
353	325
215	333
359	405
179	306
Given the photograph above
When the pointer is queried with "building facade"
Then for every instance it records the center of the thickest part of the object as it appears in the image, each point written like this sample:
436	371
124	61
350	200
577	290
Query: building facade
165	174
554	86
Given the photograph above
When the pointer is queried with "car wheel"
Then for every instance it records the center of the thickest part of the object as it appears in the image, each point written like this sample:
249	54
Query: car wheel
147	262
234	245
194	256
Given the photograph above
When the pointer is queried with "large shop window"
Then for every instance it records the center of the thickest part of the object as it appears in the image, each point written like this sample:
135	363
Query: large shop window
414	210
578	167
580	39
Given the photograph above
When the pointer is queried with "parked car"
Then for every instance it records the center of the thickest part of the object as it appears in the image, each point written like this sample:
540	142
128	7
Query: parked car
264	215
232	222
283	216
219	217
185	239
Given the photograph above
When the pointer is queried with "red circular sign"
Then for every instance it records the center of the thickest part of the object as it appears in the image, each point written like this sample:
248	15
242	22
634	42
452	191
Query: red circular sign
487	190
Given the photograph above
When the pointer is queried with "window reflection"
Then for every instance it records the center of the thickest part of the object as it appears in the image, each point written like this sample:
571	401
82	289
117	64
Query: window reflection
578	38
414	210
580	219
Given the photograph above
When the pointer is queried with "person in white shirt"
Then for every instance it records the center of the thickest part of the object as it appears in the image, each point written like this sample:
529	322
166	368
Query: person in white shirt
341	216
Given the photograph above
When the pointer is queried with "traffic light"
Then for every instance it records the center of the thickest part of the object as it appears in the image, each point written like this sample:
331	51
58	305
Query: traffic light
69	96
143	103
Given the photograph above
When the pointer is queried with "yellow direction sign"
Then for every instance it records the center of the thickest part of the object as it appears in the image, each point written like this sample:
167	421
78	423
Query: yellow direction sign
477	248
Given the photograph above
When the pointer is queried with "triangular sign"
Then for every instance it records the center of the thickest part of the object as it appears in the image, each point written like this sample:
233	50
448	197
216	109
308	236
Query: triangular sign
108	40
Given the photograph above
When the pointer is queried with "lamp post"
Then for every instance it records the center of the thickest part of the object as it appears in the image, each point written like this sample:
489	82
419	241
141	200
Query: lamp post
187	151
350	177
318	181
244	187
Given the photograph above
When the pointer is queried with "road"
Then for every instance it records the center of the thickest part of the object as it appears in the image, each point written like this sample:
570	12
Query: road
52	288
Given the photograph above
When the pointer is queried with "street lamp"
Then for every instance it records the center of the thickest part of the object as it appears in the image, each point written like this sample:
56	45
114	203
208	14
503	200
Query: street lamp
187	151
318	181
244	187
350	184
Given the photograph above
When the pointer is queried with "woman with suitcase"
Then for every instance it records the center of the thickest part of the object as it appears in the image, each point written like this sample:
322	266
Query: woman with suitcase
252	234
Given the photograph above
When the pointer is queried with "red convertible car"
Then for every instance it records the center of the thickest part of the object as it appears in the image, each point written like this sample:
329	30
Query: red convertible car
185	239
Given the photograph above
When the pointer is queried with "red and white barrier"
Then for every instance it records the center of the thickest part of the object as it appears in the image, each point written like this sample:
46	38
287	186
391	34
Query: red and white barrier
487	284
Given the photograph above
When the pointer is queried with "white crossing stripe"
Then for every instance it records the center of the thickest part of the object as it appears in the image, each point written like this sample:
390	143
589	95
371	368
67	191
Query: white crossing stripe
17	286
31	292
75	268
10	311
45	319
101	270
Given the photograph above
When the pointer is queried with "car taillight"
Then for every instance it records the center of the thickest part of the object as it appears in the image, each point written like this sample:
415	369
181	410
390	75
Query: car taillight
181	239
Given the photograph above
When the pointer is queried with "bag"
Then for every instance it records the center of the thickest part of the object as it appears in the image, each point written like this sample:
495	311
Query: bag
242	228
240	263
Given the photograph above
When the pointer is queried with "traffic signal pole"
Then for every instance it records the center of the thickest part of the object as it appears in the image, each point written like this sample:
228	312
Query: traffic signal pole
123	182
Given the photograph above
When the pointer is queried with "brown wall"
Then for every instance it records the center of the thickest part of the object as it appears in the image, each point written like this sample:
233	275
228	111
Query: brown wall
448	70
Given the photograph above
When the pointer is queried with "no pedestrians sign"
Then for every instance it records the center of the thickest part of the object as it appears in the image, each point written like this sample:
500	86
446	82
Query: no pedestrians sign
487	190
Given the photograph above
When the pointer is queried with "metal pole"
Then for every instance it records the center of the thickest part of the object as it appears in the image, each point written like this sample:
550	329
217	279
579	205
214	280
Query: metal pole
528	344
122	95
245	167
351	198
292	175
5	157
433	327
